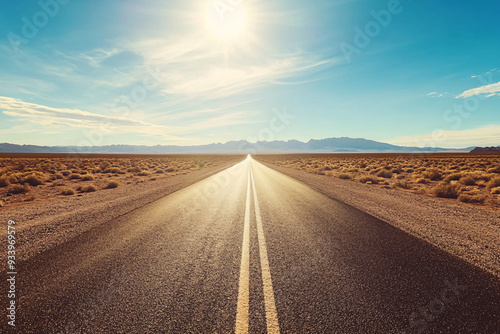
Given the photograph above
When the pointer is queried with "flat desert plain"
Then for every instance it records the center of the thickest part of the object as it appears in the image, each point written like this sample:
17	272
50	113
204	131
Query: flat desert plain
28	178
466	178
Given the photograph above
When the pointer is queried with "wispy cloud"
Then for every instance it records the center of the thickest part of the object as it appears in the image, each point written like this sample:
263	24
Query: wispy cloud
53	119
436	94
46	115
199	70
489	90
487	135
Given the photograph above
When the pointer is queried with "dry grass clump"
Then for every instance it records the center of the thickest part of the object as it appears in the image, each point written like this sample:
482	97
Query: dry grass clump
368	179
68	192
493	183
87	177
385	174
467	180
473	199
112	184
19	189
34	179
446	190
345	176
433	175
453	177
495	191
422	180
88	188
4	181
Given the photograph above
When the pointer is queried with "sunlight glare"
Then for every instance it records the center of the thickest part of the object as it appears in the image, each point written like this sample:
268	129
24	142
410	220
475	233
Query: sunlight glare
226	22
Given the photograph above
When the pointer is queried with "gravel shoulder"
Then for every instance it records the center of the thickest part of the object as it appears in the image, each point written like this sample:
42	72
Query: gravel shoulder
471	233
44	225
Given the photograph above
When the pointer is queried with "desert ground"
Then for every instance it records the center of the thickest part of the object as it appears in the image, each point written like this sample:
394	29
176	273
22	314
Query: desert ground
466	178
28	178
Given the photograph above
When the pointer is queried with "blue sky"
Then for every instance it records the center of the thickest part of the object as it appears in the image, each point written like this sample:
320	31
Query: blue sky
415	73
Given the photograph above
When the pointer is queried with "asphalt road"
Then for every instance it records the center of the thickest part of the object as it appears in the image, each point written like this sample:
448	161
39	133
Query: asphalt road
251	250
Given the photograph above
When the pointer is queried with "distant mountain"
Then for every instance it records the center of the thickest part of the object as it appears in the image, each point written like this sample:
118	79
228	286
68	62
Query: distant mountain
344	144
491	149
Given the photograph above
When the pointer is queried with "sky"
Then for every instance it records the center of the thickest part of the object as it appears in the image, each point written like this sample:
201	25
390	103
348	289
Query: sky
151	72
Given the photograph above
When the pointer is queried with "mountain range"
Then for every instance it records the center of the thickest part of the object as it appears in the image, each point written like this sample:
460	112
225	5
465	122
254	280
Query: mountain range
339	145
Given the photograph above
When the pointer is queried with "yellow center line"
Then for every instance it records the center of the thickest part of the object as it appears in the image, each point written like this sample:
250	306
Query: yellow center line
271	313
243	291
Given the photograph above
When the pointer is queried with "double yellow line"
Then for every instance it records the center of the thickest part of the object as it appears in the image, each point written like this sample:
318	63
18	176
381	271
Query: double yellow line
243	306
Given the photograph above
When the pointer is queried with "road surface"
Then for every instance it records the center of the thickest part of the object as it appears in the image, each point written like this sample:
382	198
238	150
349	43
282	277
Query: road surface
250	250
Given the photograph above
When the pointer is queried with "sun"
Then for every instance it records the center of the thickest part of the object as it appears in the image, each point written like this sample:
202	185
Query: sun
226	21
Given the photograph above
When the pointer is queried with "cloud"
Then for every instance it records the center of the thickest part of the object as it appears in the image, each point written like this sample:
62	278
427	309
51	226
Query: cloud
47	115
491	90
436	94
201	71
48	119
488	135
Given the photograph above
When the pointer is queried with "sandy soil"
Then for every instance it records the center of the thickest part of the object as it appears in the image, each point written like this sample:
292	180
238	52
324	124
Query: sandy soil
471	233
43	225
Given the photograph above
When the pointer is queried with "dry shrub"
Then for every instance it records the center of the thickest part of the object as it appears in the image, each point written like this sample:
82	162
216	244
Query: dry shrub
404	185
34	180
68	192
143	174
104	165
494	182
422	180
446	190
66	172
494	170
319	171
433	175
19	189
75	177
89	188
58	176
368	179
473	199
134	170
2	204
345	176
453	177
495	191
385	174
170	170
468	180
4	182
87	177
112	184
